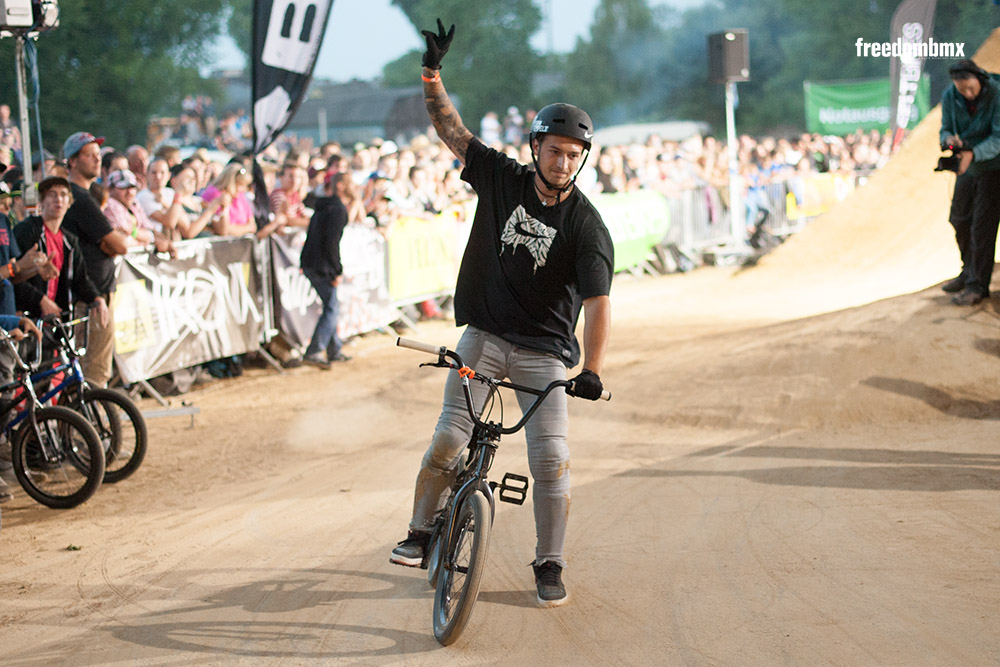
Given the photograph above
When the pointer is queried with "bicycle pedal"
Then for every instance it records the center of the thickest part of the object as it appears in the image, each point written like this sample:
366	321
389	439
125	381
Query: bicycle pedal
513	488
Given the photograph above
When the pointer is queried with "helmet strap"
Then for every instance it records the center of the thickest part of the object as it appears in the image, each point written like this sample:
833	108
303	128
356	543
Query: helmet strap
538	172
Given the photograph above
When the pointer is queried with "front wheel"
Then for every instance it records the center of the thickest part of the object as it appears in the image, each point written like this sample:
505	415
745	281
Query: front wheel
61	463
434	548
461	569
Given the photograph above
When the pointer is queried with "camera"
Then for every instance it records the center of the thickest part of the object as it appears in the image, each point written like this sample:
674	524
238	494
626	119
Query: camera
950	162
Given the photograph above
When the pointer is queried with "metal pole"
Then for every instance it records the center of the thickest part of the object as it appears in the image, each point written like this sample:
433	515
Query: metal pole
737	214
323	136
28	194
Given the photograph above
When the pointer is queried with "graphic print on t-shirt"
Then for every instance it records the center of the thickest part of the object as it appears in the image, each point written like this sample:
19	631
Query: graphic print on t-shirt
522	229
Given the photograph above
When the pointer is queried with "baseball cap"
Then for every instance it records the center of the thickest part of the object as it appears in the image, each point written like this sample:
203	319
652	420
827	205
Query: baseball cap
78	140
122	179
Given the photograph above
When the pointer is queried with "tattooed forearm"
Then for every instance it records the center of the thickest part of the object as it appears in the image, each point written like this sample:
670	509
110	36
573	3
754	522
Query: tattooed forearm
445	117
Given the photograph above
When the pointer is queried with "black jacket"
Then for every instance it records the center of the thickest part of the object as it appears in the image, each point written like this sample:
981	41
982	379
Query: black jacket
321	250
74	283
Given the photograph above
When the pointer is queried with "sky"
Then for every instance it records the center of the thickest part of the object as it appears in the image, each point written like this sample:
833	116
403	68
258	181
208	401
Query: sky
363	35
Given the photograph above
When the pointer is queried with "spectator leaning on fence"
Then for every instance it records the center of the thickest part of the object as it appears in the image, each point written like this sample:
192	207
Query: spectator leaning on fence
40	295
100	244
123	212
157	198
193	215
286	205
138	159
235	215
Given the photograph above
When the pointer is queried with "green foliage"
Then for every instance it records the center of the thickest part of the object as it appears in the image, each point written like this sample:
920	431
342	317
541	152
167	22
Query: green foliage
112	64
490	64
240	24
610	72
640	64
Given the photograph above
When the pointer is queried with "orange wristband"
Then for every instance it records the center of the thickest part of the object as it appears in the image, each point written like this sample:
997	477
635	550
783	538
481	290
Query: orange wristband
10	268
433	79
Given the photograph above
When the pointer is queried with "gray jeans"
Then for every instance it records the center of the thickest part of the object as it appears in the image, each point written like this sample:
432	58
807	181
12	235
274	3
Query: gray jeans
548	453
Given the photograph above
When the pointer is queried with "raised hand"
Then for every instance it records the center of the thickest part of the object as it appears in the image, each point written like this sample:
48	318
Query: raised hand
437	45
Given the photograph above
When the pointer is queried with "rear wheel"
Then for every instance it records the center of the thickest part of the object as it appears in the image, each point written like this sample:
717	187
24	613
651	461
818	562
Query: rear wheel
121	428
461	569
62	463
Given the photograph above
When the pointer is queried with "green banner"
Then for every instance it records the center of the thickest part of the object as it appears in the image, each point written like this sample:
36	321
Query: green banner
637	221
841	107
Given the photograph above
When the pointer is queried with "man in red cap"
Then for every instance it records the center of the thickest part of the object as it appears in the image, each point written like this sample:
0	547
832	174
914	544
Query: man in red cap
100	244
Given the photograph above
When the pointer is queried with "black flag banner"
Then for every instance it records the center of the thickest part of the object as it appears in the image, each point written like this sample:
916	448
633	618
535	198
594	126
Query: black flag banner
287	35
912	25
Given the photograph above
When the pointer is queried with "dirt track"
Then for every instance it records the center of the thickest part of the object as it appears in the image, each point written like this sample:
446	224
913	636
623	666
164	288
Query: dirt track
769	485
813	491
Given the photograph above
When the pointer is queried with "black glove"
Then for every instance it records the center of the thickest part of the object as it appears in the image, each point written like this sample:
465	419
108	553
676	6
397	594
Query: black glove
586	385
437	45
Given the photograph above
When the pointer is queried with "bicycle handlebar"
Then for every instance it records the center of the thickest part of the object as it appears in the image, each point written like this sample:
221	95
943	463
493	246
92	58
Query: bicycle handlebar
444	354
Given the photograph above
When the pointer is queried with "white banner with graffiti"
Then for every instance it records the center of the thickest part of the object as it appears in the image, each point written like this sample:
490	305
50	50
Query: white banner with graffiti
204	304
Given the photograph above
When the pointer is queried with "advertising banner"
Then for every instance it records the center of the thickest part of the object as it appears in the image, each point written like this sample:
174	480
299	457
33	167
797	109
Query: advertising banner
912	26
637	221
207	303
841	107
424	256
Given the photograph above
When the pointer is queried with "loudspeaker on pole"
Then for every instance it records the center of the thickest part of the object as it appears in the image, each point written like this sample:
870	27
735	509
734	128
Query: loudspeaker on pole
729	56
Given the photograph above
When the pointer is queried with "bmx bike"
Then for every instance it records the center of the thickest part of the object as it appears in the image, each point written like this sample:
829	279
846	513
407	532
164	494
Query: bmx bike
459	541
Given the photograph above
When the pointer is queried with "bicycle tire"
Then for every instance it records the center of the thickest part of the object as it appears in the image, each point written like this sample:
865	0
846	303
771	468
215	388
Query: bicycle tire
124	440
462	571
72	470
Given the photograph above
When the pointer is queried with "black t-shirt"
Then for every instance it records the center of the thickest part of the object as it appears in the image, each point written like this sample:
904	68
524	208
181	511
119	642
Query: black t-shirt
85	220
527	267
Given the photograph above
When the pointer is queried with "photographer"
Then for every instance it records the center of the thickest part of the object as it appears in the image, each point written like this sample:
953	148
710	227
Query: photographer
970	126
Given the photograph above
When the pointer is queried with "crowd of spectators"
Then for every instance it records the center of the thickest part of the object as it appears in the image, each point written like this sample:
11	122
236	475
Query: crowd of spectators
163	195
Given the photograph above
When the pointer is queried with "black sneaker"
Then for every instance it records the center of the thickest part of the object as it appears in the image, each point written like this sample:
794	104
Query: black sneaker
967	297
954	285
410	551
317	360
548	578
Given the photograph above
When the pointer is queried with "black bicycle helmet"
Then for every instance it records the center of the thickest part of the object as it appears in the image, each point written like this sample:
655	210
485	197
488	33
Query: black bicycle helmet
565	120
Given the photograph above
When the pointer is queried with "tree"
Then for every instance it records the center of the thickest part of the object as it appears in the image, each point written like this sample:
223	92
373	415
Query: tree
490	64
614	74
112	64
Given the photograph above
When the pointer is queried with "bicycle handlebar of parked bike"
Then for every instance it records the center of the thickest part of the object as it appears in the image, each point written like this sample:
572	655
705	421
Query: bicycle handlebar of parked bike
444	355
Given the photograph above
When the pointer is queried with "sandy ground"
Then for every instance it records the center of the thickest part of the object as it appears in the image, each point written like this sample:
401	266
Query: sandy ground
799	466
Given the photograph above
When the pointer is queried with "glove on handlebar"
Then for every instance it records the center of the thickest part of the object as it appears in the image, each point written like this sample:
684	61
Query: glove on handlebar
586	385
437	45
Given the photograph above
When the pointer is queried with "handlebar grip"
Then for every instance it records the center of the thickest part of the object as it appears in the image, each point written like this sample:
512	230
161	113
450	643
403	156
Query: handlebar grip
605	395
420	347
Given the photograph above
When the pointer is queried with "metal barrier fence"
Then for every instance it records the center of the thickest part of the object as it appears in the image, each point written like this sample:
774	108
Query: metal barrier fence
700	217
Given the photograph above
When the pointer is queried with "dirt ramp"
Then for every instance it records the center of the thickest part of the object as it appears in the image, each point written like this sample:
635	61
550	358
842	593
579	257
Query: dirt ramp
890	237
906	360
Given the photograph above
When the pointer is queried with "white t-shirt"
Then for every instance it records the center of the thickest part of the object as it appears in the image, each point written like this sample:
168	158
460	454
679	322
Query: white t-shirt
147	200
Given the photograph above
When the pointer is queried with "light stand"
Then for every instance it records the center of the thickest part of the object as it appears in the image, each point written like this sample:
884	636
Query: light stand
23	20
